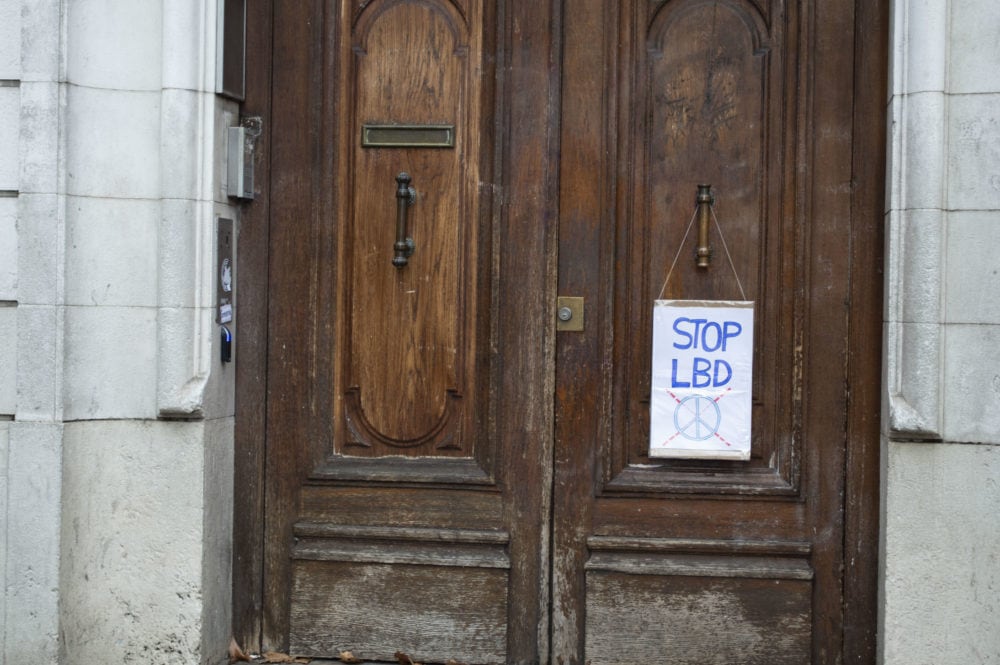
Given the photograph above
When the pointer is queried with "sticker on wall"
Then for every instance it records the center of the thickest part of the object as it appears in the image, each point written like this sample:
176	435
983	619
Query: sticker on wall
224	284
701	380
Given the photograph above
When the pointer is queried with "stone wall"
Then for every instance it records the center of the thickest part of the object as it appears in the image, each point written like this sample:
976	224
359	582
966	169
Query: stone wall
31	322
941	454
115	412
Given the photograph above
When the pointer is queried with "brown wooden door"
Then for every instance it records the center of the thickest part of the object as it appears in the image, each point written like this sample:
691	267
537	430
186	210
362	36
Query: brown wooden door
694	561
429	466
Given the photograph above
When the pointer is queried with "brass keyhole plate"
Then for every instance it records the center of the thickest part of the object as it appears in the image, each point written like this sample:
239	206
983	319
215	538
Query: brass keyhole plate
569	314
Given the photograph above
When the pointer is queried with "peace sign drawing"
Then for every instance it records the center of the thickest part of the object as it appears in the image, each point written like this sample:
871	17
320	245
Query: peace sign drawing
697	417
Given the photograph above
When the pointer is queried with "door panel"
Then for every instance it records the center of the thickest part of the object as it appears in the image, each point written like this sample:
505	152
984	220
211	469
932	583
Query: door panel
707	105
704	561
408	408
408	382
446	477
745	620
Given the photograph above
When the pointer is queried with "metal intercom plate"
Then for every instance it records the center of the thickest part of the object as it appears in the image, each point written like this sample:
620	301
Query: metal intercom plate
240	164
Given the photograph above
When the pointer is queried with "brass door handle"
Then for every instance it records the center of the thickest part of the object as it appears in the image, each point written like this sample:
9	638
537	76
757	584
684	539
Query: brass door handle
705	201
405	196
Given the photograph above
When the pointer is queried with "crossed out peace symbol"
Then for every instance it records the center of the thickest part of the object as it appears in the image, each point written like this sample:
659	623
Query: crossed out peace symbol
697	417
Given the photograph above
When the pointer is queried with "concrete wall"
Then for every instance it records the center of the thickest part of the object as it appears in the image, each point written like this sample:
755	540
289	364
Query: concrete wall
115	413
941	461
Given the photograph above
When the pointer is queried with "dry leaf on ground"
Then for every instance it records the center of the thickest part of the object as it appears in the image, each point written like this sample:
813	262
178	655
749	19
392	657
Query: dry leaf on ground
237	654
348	657
405	660
275	657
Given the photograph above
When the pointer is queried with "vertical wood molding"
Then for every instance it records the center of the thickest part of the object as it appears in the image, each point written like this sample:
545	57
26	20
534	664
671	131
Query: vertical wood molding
251	368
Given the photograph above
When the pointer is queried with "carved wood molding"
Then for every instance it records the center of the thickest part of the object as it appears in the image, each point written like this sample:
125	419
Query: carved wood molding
318	541
419	470
763	559
363	434
729	106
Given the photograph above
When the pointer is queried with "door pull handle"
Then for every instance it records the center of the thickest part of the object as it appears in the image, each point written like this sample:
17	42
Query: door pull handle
705	200
405	196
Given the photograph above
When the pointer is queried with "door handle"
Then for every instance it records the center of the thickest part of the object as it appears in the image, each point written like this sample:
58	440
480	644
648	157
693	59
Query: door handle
405	196
705	201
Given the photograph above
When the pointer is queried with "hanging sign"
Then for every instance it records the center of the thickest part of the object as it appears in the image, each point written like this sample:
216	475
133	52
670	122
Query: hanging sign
701	379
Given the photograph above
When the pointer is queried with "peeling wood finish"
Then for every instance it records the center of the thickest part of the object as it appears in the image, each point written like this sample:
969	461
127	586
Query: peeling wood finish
427	612
408	410
686	561
252	250
448	477
704	546
697	621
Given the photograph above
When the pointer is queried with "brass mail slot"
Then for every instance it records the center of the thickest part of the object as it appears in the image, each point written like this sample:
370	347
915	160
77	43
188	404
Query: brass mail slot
408	136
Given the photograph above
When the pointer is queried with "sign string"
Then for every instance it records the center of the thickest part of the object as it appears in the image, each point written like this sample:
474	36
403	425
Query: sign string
678	254
681	247
728	256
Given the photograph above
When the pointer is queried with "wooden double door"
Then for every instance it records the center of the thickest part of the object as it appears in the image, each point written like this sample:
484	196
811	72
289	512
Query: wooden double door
426	463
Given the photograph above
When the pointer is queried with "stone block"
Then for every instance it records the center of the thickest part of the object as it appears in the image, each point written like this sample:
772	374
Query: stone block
111	251
34	486
8	248
41	33
941	568
134	555
186	119
894	154
40	154
186	233
40	249
974	50
913	375
114	44
10	40
113	143
39	366
110	362
972	383
974	152
972	267
920	44
10	124
185	337
922	165
186	27
4	448
914	281
8	361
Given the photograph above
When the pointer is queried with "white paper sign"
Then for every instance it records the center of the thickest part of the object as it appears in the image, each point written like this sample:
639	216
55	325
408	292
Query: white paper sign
701	380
